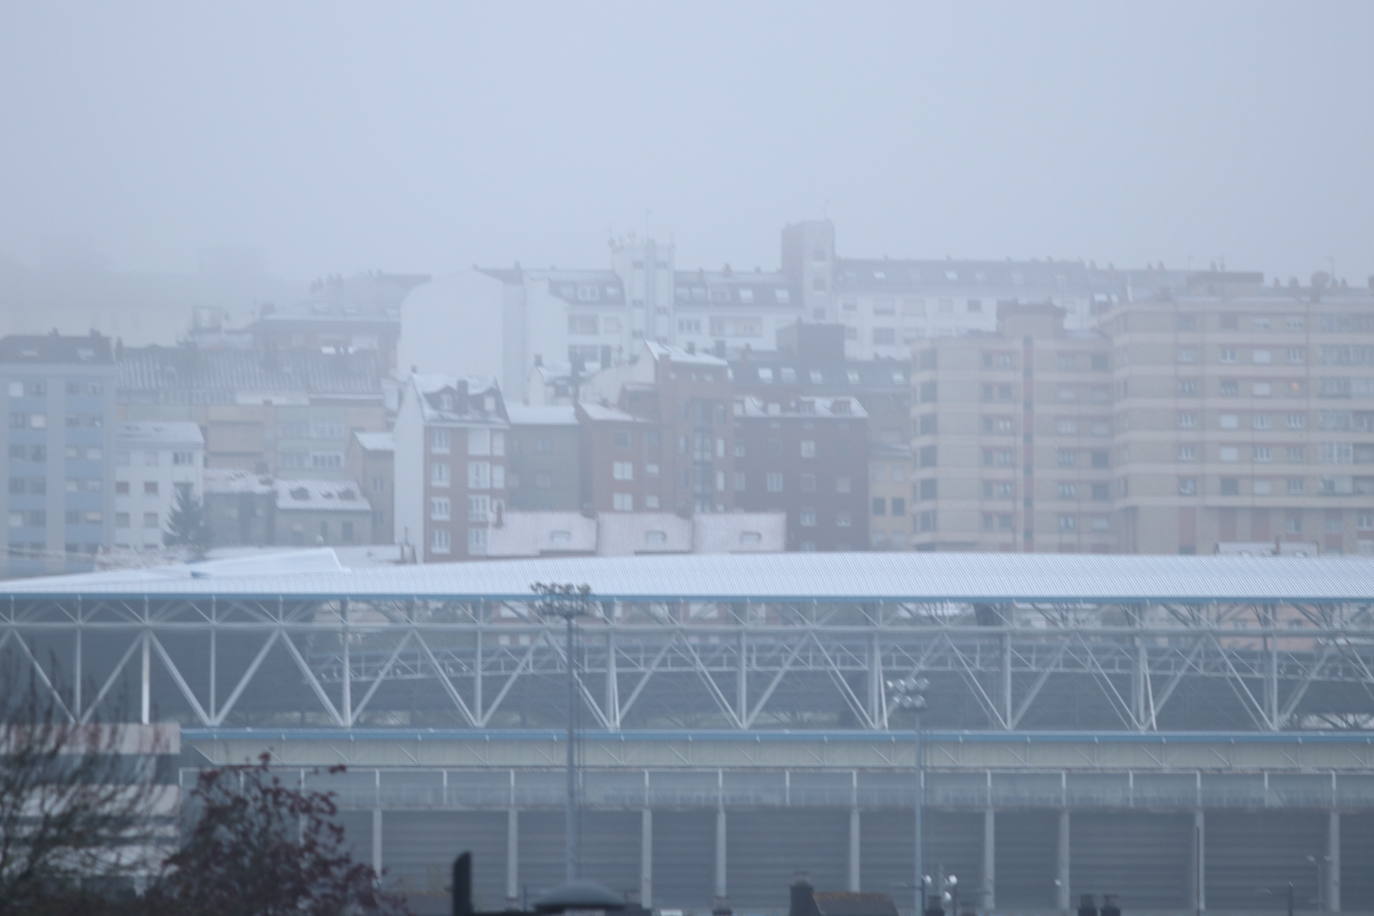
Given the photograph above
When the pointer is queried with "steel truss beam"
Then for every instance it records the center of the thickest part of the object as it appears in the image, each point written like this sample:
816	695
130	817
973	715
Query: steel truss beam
349	661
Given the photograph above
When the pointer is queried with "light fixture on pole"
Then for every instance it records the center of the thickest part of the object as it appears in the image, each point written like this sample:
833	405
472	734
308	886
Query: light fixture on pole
567	602
909	693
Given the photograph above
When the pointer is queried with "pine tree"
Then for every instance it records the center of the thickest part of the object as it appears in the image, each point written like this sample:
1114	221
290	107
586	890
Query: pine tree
188	525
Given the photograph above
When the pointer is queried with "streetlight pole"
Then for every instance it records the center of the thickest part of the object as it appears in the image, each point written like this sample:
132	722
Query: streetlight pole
567	602
910	694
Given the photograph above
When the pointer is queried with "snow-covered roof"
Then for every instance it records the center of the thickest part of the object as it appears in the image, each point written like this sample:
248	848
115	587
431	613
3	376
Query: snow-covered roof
376	442
607	413
841	576
160	434
546	415
236	480
676	355
316	495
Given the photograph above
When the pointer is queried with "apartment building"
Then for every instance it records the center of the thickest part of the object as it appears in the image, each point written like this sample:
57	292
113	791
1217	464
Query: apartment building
153	463
372	463
55	449
661	427
806	457
1013	438
543	454
450	478
1244	415
321	513
282	412
810	360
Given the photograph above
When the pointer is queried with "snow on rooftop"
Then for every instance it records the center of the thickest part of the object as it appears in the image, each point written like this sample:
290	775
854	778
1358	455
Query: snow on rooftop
317	495
854	576
376	442
676	355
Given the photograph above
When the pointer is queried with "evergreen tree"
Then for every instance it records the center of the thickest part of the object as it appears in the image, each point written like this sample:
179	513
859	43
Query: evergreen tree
188	526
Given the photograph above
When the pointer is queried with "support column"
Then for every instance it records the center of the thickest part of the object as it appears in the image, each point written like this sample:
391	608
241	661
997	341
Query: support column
1199	861
513	858
1333	862
989	861
1061	889
145	686
377	840
646	858
720	853
854	825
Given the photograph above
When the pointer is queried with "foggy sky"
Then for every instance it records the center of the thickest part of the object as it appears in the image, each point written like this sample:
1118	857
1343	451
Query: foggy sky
428	136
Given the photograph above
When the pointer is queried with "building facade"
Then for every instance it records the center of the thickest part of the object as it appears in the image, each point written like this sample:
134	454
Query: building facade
55	452
808	458
450	474
372	463
1245	416
543	451
153	463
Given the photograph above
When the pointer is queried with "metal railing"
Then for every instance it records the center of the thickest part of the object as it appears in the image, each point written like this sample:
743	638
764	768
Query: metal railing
633	788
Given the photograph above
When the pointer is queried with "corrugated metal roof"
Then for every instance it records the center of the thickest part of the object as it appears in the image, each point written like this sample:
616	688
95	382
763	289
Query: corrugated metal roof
854	576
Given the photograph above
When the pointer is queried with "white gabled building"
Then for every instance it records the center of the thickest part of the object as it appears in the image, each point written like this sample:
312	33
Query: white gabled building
153	461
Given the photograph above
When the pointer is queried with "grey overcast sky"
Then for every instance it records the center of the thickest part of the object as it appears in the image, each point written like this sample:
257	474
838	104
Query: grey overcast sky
339	136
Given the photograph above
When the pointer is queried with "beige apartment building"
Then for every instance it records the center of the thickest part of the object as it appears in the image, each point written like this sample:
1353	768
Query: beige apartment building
1013	437
1221	419
1245	417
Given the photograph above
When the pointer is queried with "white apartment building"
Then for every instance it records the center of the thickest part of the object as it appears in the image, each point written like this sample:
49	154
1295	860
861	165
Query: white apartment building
153	460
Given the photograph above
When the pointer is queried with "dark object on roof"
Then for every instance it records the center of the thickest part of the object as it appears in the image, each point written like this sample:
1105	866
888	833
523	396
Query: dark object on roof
579	895
807	901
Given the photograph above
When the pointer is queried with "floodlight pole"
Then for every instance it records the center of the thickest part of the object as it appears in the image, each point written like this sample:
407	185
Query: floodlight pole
568	602
919	815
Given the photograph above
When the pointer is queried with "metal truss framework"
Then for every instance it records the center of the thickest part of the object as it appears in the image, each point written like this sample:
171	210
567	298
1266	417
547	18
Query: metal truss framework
342	662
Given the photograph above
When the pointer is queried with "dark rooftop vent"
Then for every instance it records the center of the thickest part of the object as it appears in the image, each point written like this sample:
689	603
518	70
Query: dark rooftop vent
300	493
579	894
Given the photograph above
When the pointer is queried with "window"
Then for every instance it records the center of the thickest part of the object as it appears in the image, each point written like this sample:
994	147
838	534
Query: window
121	519
1187	453
808	448
1066	523
479	508
183	459
1229	453
1261	421
438	475
884	336
898	506
1230	486
1261	453
1261	487
622	470
928	488
121	488
1065	457
843	520
1187	486
623	502
1227	354
879	506
843	485
479	441
439	540
1188	387
1187	419
1068	491
807	483
1294	486
1295	454
439	441
807	519
773	482
479	475
1228	421
1101	492
997	457
439	508
150	488
1229	388
1363	521
1262	357
1297	421
1187	354
150	520
1296	355
326	460
1292	523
